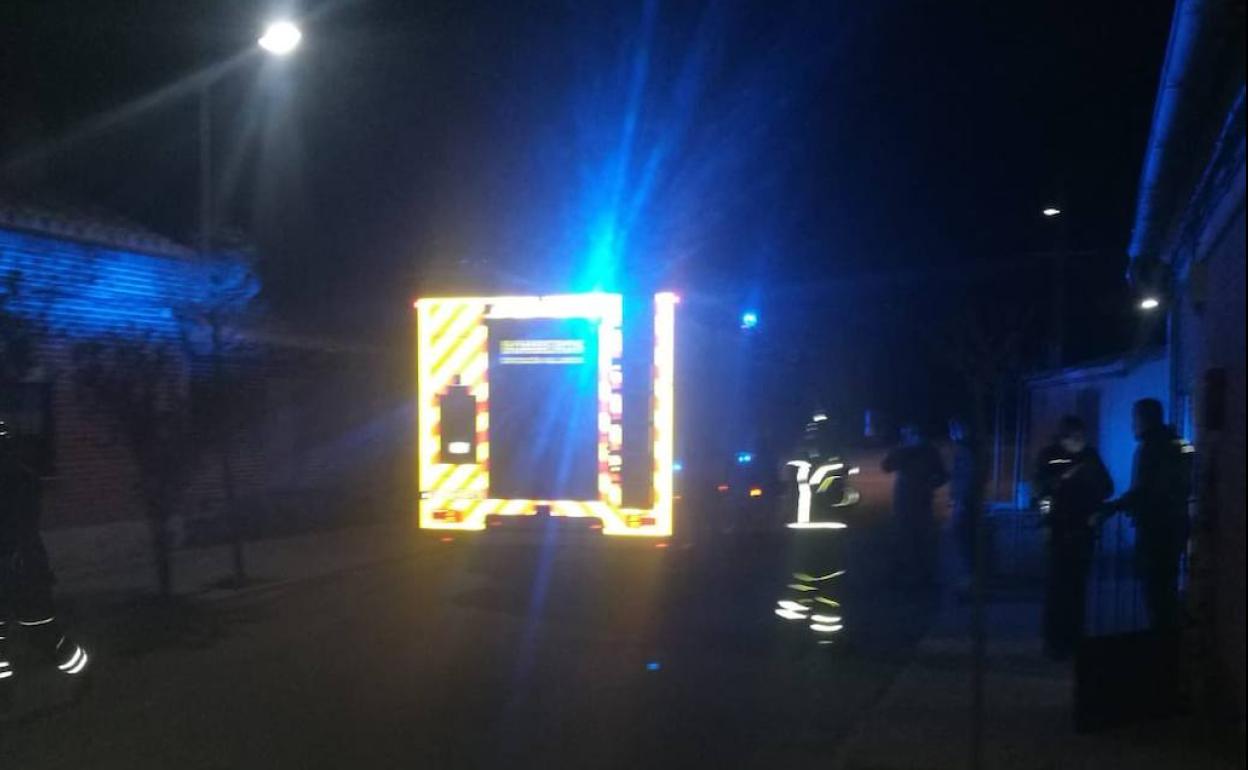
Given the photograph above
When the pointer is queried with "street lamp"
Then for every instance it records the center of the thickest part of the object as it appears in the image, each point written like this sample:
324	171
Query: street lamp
1057	300
1149	303
280	38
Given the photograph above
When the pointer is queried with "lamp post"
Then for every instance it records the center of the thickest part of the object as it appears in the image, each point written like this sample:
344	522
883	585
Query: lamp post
1057	319
279	39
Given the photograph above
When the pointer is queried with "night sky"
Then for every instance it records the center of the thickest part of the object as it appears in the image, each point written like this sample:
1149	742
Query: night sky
856	166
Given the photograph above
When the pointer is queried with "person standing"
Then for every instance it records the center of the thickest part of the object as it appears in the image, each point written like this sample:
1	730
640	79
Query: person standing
1157	503
966	495
1071	477
25	576
918	472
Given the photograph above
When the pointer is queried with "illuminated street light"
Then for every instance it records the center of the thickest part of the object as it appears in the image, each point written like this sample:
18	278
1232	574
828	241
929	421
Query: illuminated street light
280	38
1150	303
1051	211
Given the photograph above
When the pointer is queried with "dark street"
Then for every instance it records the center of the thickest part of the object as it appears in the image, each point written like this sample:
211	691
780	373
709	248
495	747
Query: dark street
476	653
637	384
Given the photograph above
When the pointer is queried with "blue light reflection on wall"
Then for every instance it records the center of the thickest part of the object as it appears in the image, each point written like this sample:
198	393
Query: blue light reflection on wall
83	290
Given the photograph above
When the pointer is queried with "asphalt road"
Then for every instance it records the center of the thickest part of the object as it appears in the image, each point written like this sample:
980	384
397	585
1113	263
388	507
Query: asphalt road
550	653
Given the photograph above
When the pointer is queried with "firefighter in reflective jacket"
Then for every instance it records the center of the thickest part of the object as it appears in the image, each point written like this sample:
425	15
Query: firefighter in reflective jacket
25	576
1157	502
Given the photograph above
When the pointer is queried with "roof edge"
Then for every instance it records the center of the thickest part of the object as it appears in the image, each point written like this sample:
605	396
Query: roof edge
1188	51
51	223
1102	367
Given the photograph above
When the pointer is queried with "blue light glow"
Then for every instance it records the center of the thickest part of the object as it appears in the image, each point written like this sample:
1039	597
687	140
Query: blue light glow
749	319
654	665
84	290
678	466
745	458
655	141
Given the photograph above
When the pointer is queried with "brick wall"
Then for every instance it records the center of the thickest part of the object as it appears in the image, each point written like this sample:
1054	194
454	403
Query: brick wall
1212	323
330	427
77	291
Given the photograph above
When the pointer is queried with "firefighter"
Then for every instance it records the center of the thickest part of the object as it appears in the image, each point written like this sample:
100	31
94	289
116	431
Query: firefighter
919	472
1157	503
1072	481
25	576
819	439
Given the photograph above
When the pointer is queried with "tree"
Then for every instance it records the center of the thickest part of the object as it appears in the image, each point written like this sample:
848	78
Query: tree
211	328
988	344
17	332
22	328
136	383
985	348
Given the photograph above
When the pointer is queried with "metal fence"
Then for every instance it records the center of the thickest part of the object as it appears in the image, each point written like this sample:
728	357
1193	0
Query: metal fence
1016	556
1018	559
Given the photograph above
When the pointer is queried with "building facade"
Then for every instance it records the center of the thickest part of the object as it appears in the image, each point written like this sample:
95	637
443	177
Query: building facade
1187	251
1102	395
72	278
325	438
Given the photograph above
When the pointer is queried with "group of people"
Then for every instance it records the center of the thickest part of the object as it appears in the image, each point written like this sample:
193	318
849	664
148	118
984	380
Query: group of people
1075	494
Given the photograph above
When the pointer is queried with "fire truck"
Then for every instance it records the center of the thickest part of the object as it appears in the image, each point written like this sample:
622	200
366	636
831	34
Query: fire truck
552	407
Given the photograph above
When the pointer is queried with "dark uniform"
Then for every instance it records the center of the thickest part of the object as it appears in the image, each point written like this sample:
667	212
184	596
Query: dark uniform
919	472
25	576
1157	502
966	495
1075	484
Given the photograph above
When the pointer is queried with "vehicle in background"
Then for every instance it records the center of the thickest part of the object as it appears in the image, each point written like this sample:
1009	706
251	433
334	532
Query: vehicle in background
758	492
